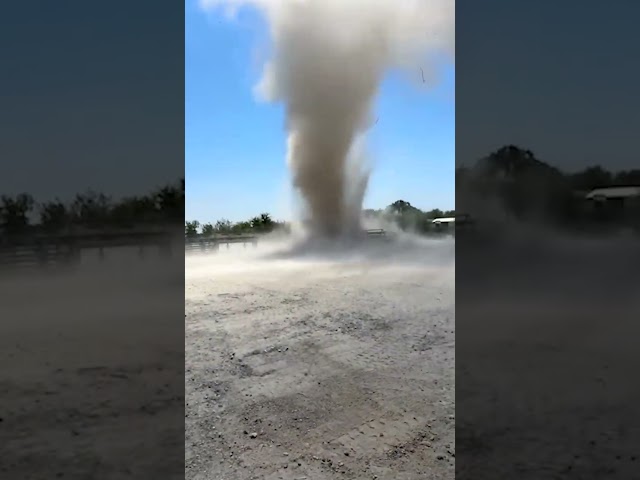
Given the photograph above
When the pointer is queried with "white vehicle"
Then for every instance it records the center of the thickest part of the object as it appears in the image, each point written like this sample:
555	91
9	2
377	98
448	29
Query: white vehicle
452	223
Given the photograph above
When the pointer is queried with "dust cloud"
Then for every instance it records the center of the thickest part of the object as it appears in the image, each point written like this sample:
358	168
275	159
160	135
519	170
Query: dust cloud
328	60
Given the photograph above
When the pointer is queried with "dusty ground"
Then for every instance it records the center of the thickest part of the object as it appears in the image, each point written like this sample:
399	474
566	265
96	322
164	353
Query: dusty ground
547	335
321	368
91	371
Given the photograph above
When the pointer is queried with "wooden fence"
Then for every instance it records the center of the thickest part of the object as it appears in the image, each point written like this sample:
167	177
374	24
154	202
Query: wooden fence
43	251
212	243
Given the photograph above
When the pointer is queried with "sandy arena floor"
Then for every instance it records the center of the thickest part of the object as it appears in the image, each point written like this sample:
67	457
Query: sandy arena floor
321	367
547	334
91	370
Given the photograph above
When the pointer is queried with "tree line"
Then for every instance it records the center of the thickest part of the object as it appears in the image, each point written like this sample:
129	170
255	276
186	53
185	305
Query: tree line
92	210
525	186
408	217
511	162
399	212
262	223
529	189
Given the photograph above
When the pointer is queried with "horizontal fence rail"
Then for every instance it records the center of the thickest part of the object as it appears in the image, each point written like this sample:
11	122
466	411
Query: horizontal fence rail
41	251
202	243
212	243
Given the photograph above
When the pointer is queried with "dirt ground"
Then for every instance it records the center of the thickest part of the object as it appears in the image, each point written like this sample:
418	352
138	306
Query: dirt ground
547	333
321	368
91	372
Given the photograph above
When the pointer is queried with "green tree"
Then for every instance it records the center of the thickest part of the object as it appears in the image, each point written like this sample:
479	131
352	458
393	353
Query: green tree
170	201
435	213
91	209
223	226
55	216
241	227
400	206
134	210
263	223
191	228
266	219
208	229
405	215
256	223
526	187
627	178
14	212
590	178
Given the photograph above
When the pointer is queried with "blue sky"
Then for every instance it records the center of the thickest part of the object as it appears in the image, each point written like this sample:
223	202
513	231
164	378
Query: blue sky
84	105
559	78
235	146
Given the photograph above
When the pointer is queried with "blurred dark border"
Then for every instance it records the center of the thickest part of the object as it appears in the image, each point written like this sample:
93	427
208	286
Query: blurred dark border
547	280
91	239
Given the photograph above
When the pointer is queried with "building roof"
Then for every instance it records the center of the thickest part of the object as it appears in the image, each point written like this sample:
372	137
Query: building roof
614	192
444	220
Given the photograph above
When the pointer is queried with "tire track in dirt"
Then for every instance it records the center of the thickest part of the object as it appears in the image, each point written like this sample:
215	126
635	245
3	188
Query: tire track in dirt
321	376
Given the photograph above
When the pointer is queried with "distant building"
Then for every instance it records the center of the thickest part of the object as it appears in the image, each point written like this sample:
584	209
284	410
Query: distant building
631	194
615	203
443	221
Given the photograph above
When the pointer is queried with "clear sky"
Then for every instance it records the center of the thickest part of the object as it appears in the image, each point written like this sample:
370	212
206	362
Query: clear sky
91	98
235	146
559	78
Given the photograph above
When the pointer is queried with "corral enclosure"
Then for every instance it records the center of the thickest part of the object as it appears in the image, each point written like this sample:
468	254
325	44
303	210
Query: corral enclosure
320	361
90	352
83	249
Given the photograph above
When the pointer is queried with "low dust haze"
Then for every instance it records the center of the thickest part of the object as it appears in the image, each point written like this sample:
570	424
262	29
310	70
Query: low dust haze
321	362
89	353
547	331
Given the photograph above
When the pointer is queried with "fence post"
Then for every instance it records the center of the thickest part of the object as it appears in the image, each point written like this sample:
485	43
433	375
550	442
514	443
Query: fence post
42	253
